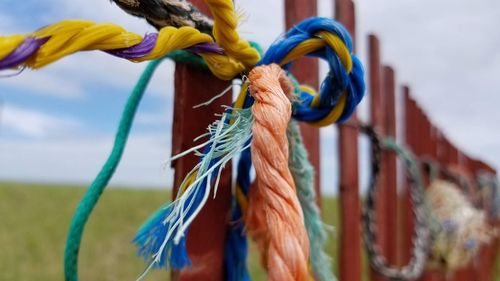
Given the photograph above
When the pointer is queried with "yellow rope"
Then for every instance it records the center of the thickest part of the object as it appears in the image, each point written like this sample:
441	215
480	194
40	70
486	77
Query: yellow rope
224	30
70	36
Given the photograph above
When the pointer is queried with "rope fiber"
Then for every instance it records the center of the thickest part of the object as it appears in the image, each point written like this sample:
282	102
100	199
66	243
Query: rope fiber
274	217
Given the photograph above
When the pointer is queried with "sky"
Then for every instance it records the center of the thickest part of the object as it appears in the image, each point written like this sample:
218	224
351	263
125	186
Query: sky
57	124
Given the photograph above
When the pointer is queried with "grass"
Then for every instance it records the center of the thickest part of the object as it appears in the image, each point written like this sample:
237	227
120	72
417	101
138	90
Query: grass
34	220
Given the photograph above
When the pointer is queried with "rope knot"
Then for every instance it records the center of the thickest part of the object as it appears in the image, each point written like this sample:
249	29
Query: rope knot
344	86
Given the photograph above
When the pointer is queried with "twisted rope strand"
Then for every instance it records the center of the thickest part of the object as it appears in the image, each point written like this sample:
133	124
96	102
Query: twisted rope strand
274	216
161	13
303	176
56	41
224	31
95	190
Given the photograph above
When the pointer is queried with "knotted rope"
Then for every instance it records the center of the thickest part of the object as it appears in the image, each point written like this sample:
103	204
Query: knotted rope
274	215
420	238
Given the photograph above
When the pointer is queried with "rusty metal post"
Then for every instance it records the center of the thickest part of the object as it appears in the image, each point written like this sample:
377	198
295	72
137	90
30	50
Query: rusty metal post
409	138
306	70
205	248
389	162
377	120
350	210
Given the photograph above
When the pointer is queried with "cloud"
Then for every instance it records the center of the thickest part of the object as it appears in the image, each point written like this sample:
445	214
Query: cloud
73	75
446	51
45	83
35	124
79	159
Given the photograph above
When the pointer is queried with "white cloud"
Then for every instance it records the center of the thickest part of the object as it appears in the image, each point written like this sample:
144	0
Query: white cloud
44	83
68	76
35	124
79	160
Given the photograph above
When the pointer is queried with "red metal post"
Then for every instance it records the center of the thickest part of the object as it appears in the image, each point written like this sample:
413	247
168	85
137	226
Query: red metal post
206	236
377	117
350	211
408	138
306	70
389	162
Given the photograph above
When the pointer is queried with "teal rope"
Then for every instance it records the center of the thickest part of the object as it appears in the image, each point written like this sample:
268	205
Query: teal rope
95	190
303	176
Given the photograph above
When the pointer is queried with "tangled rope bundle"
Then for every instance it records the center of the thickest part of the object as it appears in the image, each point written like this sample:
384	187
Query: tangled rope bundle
461	230
420	237
161	239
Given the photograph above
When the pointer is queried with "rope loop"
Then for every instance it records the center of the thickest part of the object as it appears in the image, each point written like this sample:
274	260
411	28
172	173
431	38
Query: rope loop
343	87
421	234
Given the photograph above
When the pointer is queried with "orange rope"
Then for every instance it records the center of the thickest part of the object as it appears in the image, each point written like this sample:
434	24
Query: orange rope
274	217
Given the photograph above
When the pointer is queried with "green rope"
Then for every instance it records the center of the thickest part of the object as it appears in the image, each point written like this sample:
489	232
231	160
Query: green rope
303	176
95	190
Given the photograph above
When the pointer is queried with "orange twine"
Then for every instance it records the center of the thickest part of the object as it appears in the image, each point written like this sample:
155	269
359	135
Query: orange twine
274	216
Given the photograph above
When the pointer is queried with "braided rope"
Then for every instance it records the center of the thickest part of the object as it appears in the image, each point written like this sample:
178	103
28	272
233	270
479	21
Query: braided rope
342	89
161	13
274	217
420	237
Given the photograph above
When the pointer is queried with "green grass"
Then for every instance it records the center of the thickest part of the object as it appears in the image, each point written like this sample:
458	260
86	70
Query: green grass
34	220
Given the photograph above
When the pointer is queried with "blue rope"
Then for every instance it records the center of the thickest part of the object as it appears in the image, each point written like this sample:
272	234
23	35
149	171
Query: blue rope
337	81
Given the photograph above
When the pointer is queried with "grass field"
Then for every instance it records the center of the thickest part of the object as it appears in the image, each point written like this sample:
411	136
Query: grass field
34	220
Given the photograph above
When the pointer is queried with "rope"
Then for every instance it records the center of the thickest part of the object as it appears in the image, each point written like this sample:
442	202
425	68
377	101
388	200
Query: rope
224	31
306	38
420	237
343	87
303	176
161	13
56	41
274	216
462	228
95	190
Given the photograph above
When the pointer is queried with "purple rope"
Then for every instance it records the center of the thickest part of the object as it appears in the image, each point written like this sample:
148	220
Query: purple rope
22	52
30	45
140	50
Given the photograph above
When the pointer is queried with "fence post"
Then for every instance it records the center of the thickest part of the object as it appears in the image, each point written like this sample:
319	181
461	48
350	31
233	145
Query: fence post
307	72
377	119
350	210
207	233
409	130
389	162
